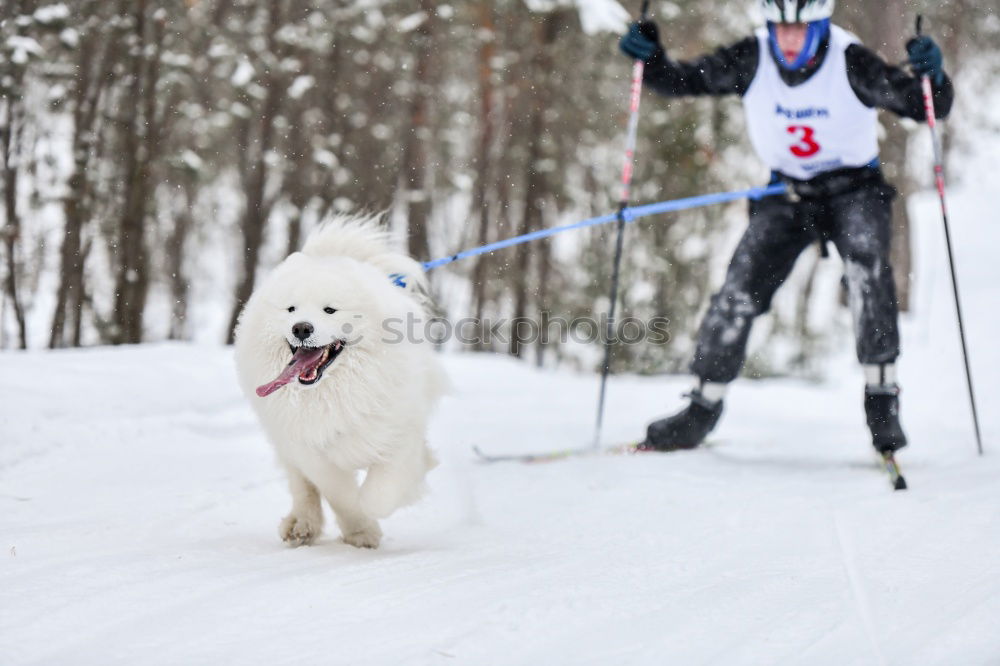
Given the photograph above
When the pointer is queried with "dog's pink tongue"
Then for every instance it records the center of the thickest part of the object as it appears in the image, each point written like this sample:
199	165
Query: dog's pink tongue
301	361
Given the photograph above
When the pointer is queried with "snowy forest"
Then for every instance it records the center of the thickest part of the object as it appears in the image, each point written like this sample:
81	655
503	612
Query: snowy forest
158	156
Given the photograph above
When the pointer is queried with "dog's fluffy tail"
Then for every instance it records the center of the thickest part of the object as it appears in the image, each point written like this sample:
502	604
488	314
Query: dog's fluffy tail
364	238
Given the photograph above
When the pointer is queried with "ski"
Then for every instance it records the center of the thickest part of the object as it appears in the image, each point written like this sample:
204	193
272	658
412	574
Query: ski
888	459
552	456
892	467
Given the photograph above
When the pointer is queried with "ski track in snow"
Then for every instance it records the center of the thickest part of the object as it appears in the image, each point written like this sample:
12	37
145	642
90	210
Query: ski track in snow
139	504
847	549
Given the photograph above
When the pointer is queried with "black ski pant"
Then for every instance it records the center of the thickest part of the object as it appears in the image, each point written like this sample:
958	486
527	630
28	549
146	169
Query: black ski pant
850	210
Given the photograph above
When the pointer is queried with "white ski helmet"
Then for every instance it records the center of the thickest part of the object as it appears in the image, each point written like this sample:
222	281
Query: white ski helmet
796	11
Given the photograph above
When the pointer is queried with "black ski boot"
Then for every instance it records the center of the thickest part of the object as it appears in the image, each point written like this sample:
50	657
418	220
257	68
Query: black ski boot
686	429
882	409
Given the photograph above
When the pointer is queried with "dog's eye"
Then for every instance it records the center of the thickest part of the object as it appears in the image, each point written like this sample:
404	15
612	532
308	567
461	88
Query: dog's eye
291	308
329	310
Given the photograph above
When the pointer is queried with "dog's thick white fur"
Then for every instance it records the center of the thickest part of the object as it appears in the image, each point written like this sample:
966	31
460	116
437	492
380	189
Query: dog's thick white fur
370	406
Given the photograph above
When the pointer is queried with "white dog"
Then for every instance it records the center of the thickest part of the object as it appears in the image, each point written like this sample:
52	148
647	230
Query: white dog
322	355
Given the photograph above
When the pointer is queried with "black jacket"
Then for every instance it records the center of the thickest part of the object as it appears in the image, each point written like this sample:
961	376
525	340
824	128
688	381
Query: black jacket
731	69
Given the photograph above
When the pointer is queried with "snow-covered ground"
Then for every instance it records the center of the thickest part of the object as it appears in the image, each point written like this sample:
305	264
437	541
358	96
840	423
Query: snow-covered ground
139	503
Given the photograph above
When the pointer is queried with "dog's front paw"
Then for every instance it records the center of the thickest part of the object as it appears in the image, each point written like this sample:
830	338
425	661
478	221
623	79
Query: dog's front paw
367	536
298	531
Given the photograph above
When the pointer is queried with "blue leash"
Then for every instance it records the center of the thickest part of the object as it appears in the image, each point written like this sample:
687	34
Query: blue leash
629	214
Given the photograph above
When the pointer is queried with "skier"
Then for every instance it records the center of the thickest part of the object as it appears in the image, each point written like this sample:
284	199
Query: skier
810	93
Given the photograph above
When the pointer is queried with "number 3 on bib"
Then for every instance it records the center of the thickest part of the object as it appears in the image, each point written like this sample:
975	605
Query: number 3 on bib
807	146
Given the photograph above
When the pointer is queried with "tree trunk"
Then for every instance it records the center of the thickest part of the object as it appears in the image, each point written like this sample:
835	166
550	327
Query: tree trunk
484	155
536	185
69	295
12	230
132	280
416	158
300	188
544	261
255	181
175	252
901	252
70	273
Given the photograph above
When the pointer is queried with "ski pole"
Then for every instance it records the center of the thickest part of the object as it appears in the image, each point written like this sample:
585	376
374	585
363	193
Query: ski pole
925	81
633	126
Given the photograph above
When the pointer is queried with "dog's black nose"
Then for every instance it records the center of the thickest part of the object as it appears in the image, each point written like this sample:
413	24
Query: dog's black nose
302	330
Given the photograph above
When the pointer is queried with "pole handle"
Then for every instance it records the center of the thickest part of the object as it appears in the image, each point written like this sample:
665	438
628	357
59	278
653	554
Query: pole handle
920	24
644	10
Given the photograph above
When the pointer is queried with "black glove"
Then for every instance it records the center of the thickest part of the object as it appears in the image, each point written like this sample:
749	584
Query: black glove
642	41
926	58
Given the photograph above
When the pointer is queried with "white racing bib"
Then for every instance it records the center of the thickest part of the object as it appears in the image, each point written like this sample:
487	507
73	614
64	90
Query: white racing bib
817	126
